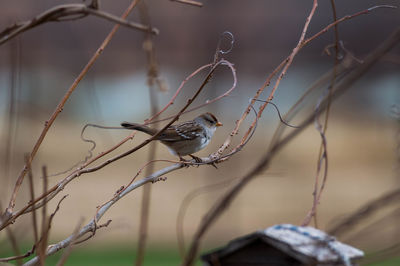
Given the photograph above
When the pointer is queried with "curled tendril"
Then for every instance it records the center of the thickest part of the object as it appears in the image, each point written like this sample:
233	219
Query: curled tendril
230	36
89	152
277	110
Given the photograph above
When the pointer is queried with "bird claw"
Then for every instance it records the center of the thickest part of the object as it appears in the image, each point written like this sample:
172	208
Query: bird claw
197	159
184	161
214	165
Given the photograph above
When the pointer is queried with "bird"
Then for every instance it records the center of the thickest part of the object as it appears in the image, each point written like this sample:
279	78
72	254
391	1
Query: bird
184	138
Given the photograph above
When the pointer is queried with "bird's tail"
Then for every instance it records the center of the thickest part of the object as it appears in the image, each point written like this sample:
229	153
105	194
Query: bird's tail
134	126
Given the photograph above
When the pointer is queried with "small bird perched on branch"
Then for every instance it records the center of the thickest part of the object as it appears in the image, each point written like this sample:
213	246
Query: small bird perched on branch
185	138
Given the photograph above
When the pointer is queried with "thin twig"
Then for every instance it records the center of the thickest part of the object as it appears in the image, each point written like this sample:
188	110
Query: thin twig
67	12
342	69
177	93
32	194
45	222
363	12
323	152
225	94
68	249
189	2
152	76
93	230
27	254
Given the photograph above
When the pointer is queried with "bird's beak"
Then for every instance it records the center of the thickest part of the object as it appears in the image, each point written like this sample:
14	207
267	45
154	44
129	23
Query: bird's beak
218	124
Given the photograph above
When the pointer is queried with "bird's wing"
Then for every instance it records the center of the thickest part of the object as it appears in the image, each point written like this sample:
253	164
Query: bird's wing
181	132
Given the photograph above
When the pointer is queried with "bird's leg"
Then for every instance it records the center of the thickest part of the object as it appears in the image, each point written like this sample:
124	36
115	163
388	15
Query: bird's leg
183	160
197	159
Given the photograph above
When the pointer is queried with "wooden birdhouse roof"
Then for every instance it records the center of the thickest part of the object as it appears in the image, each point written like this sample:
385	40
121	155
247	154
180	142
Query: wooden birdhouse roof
286	242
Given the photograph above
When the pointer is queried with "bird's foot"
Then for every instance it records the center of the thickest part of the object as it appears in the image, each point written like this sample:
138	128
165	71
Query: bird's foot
214	165
197	159
184	161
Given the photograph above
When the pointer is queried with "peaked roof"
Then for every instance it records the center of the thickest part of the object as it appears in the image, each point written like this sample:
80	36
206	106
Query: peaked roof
303	243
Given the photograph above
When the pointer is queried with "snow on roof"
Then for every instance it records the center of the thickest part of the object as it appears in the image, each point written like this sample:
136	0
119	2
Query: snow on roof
312	242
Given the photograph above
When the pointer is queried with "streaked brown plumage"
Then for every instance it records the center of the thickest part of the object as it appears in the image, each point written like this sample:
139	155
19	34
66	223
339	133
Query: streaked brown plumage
184	138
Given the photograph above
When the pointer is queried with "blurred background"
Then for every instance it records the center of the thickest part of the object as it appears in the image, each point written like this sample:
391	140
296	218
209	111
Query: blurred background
38	67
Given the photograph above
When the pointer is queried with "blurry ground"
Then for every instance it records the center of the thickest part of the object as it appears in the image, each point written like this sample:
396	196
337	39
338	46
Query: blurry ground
361	168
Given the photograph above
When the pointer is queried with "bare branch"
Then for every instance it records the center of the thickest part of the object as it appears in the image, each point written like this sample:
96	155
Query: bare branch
30	252
363	12
91	226
32	194
68	249
63	13
152	77
189	2
45	223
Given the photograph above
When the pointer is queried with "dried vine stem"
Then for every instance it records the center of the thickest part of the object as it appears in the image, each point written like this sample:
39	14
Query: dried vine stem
27	254
7	216
223	203
172	100
323	151
225	94
152	78
363	12
67	12
323	155
92	226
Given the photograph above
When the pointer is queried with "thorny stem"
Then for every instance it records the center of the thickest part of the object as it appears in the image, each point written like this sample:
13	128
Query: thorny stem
322	156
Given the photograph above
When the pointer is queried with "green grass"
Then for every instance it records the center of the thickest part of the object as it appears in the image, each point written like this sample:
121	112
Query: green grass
115	255
118	256
121	255
388	262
